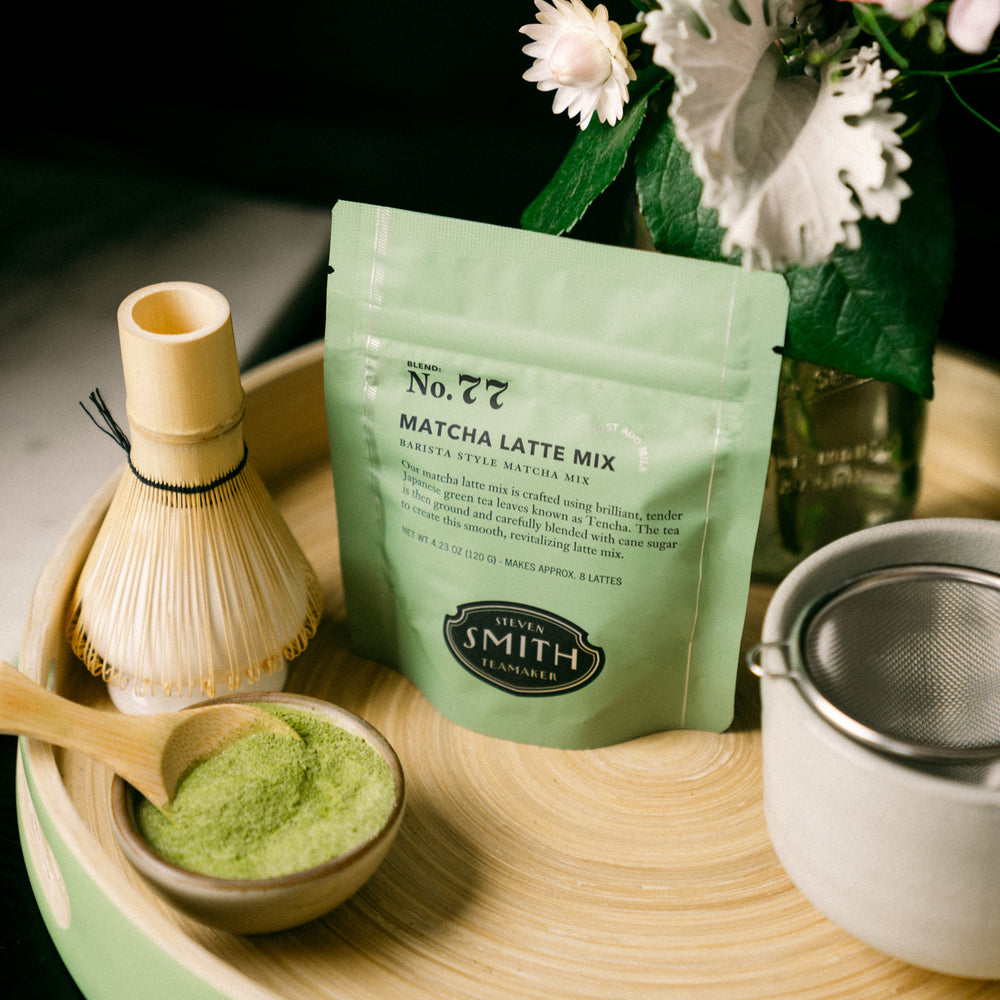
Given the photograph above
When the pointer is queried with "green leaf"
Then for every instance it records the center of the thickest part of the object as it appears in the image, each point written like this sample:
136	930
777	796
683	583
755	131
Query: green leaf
593	162
875	311
872	312
670	194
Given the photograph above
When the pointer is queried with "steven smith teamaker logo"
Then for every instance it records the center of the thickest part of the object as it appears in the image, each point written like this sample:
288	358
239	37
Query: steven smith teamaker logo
521	649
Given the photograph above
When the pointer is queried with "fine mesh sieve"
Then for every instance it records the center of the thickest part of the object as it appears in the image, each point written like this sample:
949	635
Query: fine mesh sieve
905	660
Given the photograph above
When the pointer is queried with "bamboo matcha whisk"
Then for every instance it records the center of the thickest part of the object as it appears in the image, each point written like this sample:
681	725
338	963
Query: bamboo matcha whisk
194	579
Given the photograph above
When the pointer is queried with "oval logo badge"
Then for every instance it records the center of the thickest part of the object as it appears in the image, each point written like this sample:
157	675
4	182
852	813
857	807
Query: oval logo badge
521	649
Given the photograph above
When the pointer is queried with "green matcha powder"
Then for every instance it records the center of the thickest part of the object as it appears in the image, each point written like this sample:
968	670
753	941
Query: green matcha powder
270	805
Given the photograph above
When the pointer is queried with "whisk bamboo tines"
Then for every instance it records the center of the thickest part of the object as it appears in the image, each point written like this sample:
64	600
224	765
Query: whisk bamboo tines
194	579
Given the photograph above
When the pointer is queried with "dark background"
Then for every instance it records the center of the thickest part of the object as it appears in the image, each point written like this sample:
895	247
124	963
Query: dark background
418	106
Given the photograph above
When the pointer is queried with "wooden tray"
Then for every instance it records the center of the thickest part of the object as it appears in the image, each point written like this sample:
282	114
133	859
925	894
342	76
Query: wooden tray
640	870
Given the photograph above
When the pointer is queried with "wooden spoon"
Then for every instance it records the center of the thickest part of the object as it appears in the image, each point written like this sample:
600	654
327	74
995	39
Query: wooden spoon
151	752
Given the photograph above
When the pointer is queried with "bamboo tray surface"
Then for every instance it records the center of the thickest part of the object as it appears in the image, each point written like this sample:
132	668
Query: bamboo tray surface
639	870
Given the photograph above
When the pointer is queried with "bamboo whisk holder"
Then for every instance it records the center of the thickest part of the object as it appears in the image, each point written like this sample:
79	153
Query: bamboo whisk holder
194	581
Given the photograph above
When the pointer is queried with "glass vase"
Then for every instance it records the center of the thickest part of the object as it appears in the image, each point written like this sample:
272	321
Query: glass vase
845	455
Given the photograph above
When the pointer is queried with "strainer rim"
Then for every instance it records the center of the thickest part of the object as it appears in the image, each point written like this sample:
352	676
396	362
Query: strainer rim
846	723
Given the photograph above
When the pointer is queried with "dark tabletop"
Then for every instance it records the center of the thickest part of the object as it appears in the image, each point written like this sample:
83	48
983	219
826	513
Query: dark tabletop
30	965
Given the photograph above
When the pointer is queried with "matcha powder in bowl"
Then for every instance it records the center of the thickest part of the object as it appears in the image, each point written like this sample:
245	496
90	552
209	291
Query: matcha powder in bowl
269	806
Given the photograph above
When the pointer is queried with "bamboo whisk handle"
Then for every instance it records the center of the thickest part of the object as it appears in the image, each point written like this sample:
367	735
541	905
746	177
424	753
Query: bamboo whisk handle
183	391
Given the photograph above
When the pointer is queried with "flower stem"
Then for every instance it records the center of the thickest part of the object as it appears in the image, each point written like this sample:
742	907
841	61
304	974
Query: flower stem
869	22
949	77
965	104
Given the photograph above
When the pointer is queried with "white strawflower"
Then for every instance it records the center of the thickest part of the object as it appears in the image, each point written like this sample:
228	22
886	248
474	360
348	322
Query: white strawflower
581	56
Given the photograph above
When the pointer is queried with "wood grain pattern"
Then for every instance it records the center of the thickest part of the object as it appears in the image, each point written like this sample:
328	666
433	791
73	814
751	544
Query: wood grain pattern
642	870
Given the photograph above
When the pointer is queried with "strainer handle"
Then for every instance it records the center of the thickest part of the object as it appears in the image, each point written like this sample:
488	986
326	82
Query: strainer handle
861	733
757	667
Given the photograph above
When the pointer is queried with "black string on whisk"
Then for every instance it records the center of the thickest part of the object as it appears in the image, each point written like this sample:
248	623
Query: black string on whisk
112	427
114	431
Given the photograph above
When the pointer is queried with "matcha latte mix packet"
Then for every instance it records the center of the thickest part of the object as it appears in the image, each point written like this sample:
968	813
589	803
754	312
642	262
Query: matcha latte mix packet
549	459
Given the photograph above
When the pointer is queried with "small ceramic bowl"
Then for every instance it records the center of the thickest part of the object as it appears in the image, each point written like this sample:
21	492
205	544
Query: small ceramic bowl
259	906
905	860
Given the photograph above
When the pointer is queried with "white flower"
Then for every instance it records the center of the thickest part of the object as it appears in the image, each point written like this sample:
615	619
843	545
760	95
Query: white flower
790	160
971	24
901	9
581	56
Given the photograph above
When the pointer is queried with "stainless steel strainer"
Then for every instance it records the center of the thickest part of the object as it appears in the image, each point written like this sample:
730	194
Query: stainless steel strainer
905	660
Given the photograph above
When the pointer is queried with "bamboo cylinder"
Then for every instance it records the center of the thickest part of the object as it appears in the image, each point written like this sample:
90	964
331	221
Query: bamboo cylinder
182	383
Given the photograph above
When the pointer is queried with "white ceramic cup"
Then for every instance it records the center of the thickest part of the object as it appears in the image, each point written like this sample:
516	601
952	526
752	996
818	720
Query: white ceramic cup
904	860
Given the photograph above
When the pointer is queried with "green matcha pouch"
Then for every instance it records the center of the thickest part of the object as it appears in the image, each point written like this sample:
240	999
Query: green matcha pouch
549	458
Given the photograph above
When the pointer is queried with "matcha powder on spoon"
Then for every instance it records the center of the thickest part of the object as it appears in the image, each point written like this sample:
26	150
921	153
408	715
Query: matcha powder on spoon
269	806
